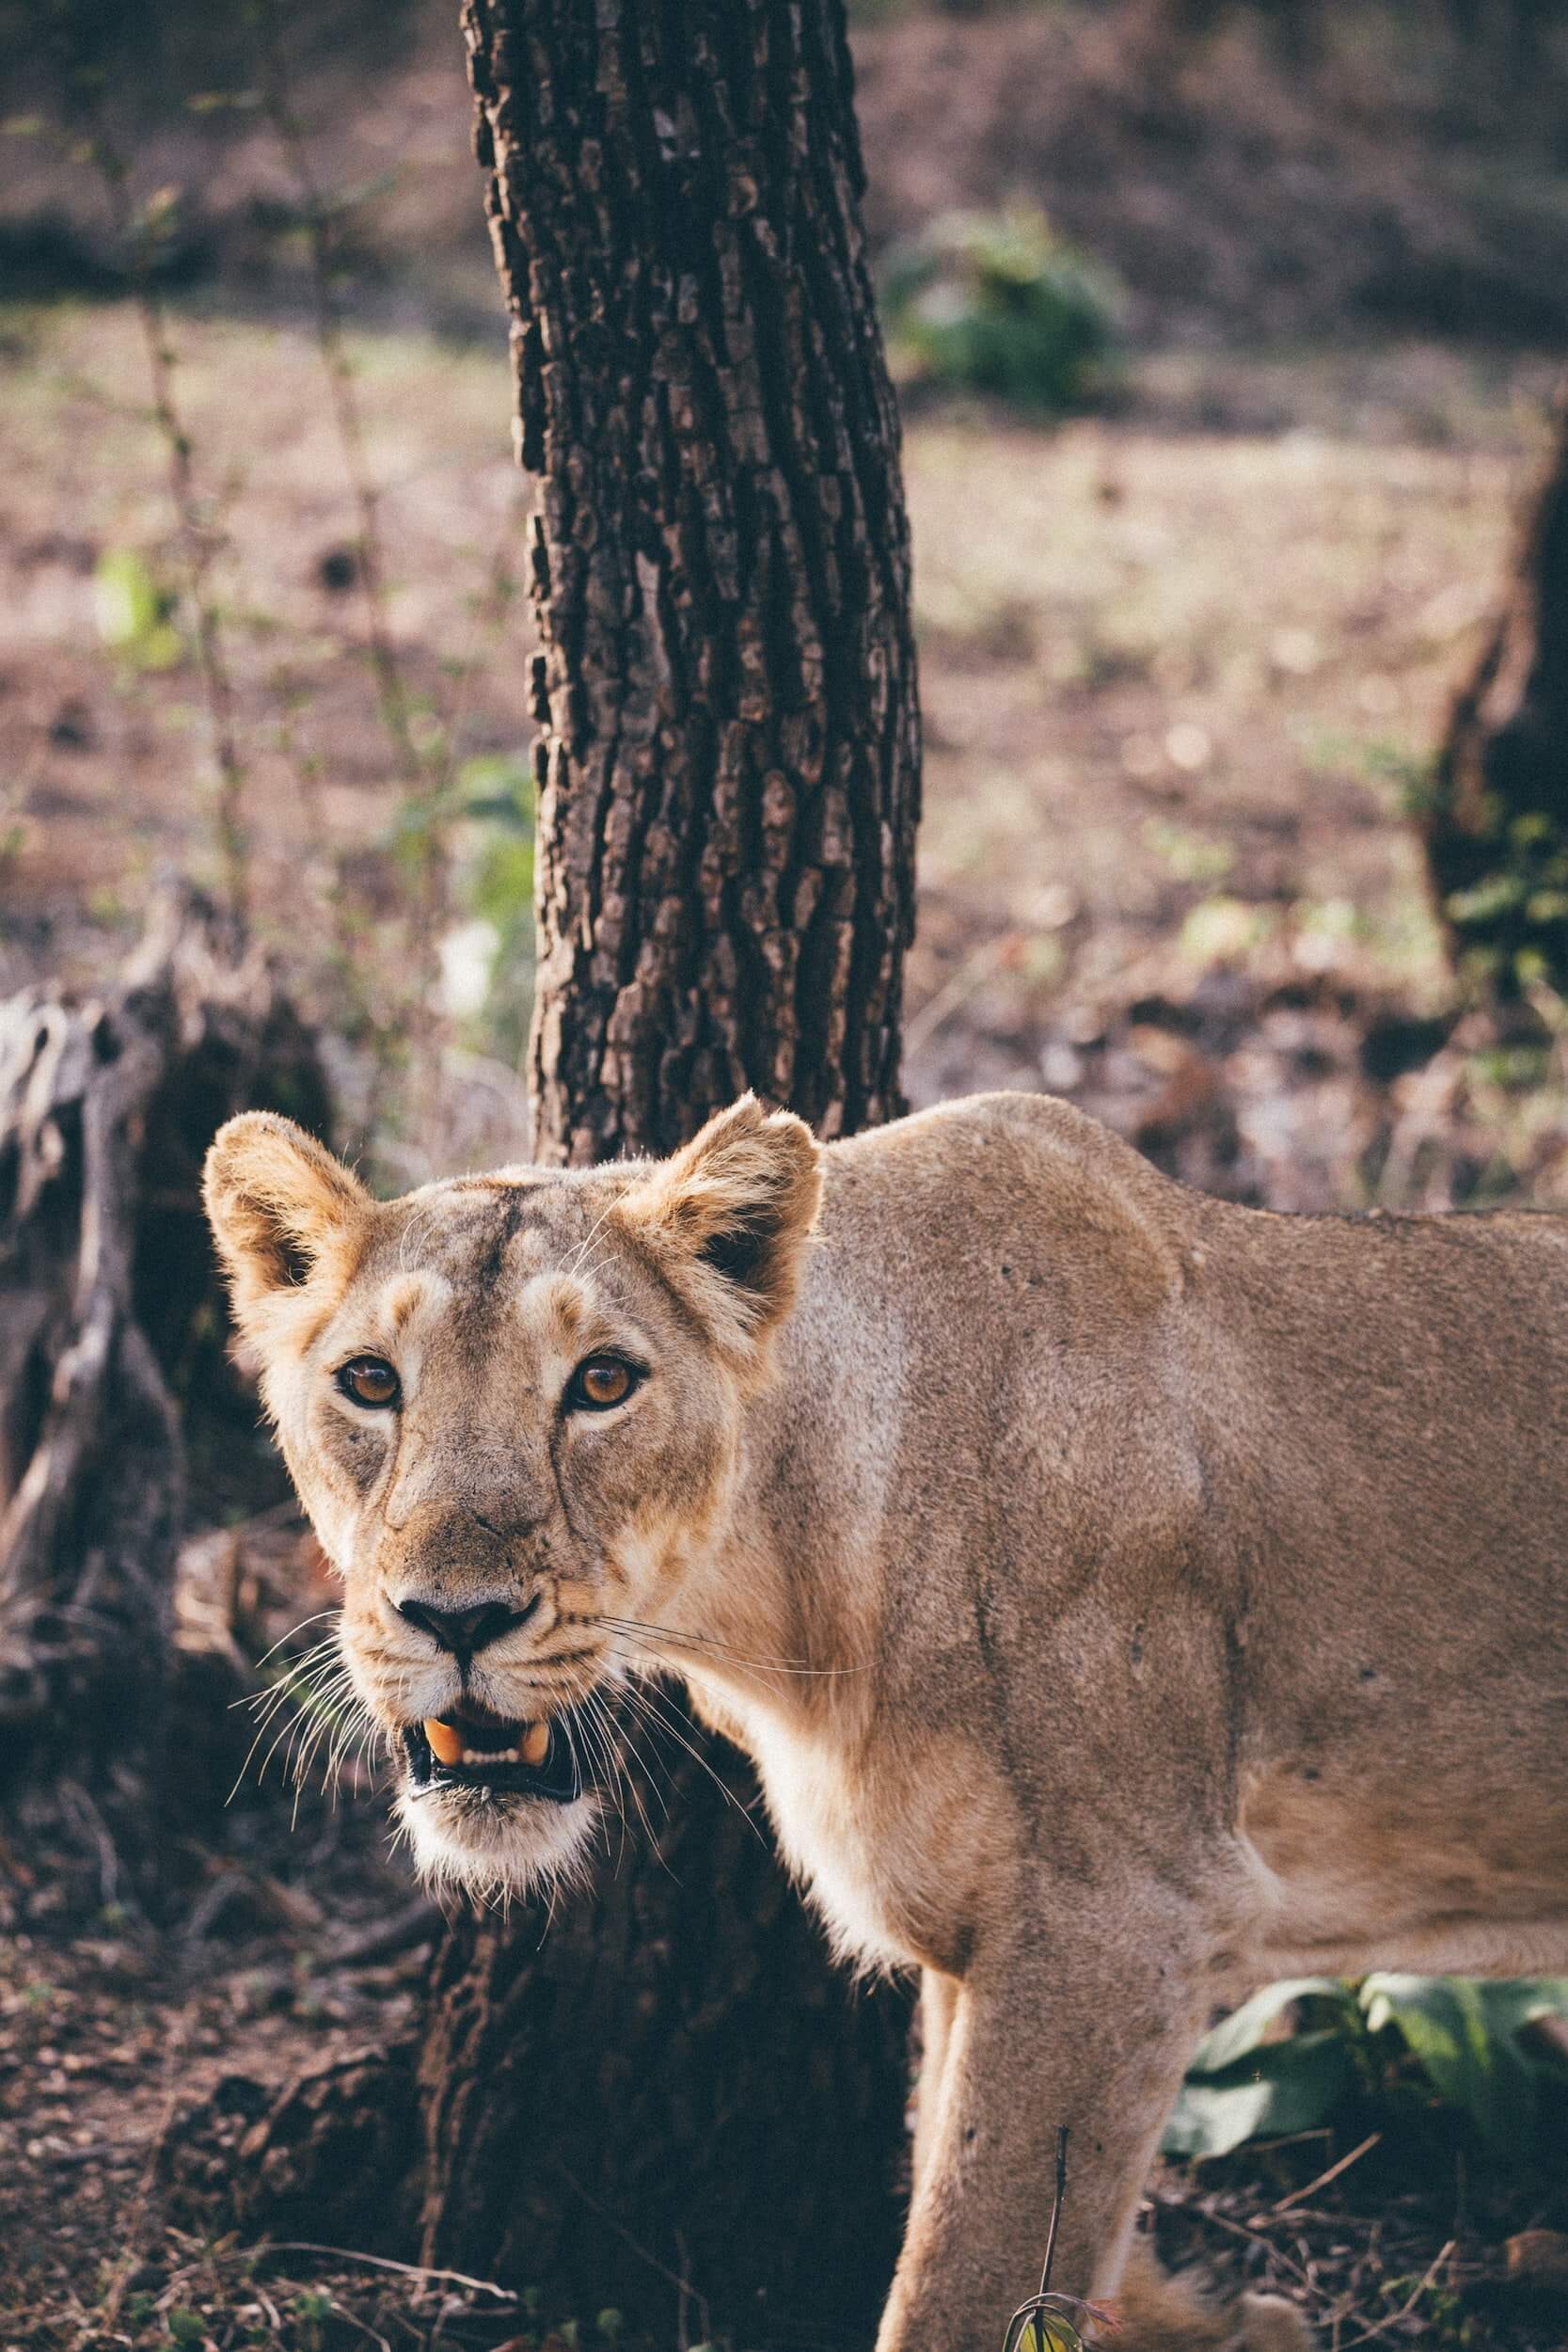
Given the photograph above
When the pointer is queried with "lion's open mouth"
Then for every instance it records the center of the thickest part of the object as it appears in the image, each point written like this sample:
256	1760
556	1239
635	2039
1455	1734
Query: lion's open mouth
471	1748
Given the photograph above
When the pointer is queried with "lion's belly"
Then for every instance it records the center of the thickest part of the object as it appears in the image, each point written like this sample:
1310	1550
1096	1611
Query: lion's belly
1432	1878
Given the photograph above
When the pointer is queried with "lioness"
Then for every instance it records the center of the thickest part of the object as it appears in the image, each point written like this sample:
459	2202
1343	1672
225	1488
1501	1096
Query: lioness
1126	1598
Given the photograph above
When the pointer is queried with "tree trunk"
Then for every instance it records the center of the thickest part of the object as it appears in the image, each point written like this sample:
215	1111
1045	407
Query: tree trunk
670	2102
728	783
110	1324
1497	827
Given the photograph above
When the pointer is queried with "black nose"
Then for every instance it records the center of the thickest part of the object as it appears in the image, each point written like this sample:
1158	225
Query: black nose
463	1631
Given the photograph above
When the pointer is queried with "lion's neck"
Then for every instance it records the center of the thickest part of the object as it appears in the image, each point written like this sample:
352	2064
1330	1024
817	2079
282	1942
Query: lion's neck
783	1619
792	1584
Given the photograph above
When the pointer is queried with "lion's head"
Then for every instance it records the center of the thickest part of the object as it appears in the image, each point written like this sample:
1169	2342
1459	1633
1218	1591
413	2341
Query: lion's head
512	1405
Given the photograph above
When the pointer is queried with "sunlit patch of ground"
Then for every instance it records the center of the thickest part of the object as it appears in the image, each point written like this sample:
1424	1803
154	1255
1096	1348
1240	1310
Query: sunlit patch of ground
1184	666
1165	666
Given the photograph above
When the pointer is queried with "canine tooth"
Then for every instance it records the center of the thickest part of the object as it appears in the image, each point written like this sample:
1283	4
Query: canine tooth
535	1743
446	1745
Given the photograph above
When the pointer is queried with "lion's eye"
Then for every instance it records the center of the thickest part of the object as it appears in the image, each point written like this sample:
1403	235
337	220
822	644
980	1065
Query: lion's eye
370	1380
599	1382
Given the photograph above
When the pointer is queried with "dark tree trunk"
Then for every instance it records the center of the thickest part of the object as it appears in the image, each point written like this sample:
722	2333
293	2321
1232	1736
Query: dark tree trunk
1529	26
671	2095
1497	828
729	778
110	1327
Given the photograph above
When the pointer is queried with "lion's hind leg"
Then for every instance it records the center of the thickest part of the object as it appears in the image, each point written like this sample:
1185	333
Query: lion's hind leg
1161	2313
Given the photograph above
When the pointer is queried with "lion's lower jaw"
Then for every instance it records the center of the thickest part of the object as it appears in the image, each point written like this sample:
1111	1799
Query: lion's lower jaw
496	1848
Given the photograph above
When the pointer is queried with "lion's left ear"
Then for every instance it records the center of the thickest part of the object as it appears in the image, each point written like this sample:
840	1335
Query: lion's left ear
729	1217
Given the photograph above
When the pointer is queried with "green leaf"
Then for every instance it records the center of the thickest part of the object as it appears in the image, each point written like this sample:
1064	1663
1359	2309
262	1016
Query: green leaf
1464	2034
133	611
1514	2002
496	785
1246	2028
186	2326
1282	2088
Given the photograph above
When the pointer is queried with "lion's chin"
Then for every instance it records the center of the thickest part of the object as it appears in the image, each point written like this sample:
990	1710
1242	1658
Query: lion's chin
493	1845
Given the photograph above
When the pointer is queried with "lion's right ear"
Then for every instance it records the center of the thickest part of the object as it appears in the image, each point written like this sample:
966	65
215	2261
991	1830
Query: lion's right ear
729	1217
281	1208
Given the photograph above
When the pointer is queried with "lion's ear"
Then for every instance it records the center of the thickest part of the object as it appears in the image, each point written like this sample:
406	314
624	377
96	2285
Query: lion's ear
729	1217
279	1205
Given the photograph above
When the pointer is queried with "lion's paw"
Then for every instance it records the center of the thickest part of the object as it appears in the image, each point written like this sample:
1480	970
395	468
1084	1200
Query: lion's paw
1159	2312
1270	2324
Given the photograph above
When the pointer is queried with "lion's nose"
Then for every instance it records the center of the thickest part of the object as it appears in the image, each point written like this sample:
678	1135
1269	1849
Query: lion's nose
465	1632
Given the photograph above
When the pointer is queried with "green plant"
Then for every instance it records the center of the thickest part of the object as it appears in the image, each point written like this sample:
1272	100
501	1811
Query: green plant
995	302
136	615
1463	2041
313	2307
487	960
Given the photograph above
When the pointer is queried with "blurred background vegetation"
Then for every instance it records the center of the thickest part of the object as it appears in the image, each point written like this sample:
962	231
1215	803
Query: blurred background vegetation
1228	337
1226	334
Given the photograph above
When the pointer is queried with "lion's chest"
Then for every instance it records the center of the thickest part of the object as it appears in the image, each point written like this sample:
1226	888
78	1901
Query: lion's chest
827	1818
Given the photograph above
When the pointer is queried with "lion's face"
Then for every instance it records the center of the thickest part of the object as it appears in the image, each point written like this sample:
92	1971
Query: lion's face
512	1407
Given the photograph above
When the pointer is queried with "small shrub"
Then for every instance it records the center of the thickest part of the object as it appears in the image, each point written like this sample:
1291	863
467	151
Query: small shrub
995	302
1462	2043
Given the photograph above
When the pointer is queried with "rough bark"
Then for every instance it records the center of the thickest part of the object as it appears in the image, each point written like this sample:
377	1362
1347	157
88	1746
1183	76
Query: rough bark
1496	826
729	772
671	2100
108	1324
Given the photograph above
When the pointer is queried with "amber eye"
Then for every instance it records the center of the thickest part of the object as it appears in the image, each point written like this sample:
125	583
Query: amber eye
370	1380
599	1382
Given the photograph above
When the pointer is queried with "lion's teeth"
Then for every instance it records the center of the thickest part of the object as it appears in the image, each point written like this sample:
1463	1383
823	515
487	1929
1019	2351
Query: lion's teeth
446	1745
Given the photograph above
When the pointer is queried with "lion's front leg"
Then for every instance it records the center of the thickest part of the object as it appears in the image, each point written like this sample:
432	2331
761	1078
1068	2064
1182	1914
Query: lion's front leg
1081	2035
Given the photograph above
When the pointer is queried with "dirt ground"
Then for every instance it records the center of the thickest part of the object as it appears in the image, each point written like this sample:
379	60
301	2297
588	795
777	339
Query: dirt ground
1184	665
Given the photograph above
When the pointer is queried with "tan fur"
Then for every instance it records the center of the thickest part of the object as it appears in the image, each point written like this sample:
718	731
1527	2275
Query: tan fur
1126	1598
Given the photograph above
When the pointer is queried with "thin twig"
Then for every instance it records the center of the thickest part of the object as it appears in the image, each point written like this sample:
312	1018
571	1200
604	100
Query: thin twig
1261	2238
1410	2302
1056	2203
385	2261
682	2284
970	974
1299	2196
199	543
316	219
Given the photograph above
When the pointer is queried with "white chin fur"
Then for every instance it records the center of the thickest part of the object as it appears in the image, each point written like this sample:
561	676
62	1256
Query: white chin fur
496	1848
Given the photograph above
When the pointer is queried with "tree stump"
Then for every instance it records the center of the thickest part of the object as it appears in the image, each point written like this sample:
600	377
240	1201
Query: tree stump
110	1324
